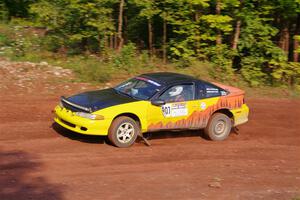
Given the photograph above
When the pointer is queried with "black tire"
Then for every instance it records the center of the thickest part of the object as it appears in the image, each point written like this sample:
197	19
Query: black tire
218	127
119	135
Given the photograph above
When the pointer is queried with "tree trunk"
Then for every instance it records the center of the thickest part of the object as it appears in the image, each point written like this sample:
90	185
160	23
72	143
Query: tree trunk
198	35
150	37
111	41
99	43
295	53
120	25
115	40
164	41
296	42
285	39
236	36
218	12
125	23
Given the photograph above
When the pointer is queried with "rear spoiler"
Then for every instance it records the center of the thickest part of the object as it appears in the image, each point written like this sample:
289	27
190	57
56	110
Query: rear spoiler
64	99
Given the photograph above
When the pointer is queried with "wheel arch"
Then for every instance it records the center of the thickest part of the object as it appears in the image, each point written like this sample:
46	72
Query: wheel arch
226	112
131	115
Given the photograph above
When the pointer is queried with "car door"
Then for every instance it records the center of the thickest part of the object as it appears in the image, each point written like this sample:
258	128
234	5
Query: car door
180	104
207	97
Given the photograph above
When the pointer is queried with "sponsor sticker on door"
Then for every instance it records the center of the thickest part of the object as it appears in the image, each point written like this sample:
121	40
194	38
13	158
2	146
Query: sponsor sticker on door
203	105
175	110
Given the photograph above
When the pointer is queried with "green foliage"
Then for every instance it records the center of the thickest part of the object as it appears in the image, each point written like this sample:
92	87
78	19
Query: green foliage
16	41
79	24
47	14
221	56
3	12
52	43
258	53
288	73
297	37
126	56
90	69
218	22
190	31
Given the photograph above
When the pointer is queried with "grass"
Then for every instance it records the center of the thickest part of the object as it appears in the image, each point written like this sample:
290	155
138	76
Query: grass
96	71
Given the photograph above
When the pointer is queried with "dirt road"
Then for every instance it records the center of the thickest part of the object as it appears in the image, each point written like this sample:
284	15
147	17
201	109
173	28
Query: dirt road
39	160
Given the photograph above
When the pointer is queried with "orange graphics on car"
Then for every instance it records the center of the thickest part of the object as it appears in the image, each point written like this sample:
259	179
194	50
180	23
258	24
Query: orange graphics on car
153	102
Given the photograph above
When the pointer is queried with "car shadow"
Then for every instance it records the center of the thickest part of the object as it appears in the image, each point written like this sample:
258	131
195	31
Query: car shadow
148	135
18	181
174	134
76	136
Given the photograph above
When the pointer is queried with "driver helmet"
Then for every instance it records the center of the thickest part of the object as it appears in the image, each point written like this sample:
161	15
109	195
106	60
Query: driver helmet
176	91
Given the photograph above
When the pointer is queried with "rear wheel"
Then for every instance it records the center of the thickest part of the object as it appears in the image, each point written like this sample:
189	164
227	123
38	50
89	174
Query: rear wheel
123	132
218	127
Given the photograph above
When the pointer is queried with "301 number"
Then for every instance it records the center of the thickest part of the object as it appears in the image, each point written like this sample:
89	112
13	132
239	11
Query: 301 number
166	110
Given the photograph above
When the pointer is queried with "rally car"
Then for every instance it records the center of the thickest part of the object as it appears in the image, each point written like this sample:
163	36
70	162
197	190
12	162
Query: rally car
154	102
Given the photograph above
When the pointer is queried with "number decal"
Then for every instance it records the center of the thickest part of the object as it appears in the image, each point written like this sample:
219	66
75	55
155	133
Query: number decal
166	110
174	110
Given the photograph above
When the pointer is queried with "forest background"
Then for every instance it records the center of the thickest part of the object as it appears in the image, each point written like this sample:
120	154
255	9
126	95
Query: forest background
247	43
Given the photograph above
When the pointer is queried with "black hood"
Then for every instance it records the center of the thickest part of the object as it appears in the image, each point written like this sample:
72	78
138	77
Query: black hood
96	100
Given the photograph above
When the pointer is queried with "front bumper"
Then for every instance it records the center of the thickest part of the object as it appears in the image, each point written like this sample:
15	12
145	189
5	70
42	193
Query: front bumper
240	115
69	120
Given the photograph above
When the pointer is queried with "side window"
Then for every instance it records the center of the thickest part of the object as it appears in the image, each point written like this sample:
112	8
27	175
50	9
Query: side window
206	90
178	93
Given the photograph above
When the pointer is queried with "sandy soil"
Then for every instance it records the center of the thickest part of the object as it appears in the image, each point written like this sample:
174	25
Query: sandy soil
40	160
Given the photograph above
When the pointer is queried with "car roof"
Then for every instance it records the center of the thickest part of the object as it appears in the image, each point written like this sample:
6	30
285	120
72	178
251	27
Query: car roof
167	78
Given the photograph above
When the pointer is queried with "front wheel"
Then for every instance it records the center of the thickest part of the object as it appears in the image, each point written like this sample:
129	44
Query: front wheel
123	132
218	127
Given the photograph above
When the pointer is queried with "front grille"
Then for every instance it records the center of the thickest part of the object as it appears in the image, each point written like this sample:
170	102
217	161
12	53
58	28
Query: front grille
68	123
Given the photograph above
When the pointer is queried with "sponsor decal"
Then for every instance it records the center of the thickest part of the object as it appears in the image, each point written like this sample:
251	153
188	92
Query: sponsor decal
199	119
149	81
174	110
203	105
212	90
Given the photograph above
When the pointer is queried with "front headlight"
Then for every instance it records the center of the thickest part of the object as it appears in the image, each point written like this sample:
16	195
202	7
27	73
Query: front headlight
89	116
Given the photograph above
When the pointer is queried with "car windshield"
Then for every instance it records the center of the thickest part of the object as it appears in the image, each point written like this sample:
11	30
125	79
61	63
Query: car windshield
139	87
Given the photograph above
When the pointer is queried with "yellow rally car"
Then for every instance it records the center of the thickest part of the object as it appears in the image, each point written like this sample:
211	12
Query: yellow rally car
154	102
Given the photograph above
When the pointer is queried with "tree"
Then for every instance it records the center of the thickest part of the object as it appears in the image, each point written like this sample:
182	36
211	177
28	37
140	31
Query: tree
185	20
3	12
148	10
79	23
120	25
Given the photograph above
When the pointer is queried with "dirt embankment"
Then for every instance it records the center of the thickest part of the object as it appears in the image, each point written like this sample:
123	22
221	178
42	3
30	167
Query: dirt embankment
38	161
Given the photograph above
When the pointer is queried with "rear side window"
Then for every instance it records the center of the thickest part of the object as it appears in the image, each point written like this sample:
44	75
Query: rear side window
206	90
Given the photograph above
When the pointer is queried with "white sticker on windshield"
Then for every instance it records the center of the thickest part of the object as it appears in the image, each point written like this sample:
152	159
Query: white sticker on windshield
175	110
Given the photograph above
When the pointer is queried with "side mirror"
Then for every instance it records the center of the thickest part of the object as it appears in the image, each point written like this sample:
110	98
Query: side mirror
158	102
